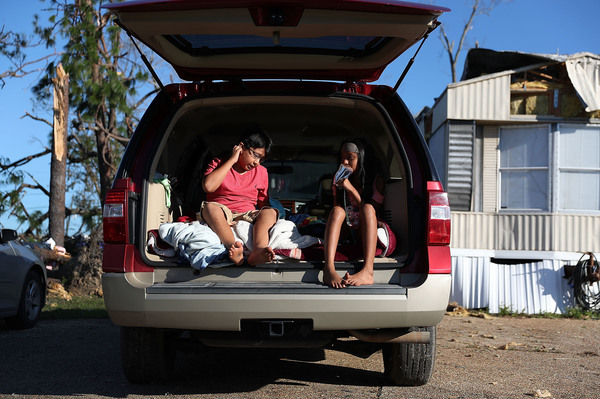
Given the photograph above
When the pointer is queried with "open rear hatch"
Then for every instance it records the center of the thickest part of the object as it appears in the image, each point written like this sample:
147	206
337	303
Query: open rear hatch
345	40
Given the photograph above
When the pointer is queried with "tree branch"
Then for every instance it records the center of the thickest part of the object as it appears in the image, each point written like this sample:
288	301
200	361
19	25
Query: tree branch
37	118
25	160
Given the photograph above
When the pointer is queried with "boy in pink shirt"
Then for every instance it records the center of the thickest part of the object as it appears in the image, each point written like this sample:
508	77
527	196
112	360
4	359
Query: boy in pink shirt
237	189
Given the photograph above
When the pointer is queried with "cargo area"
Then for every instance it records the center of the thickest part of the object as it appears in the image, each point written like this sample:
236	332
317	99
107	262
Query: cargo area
306	133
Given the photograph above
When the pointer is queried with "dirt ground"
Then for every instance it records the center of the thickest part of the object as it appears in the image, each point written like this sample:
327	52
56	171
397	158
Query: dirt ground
512	357
478	356
505	357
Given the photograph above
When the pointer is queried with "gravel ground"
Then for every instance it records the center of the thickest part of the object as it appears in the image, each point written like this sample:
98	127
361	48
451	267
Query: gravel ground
506	357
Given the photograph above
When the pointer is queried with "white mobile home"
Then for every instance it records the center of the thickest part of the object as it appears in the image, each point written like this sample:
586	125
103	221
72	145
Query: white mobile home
517	144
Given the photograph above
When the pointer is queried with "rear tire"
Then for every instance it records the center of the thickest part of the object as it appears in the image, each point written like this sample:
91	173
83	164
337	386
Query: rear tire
410	364
30	304
146	355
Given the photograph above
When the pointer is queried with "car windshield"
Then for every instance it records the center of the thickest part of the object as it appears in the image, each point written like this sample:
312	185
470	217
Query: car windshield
297	180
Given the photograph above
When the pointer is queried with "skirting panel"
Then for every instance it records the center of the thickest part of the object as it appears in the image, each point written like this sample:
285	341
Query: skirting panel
529	288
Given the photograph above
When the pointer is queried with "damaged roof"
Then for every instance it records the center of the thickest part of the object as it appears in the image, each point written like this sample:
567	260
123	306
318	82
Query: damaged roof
583	69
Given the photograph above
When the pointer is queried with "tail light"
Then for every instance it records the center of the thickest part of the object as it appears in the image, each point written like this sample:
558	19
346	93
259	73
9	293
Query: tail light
438	229
115	215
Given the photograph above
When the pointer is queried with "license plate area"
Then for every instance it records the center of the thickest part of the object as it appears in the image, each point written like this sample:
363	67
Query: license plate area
278	328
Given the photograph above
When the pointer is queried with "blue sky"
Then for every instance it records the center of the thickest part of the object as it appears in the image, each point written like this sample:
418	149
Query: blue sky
533	26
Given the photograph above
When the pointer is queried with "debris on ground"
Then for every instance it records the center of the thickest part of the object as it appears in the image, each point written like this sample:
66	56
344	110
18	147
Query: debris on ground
539	393
454	309
509	345
53	255
56	290
83	273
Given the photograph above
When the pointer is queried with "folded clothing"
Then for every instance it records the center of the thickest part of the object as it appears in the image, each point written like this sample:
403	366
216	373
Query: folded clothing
158	246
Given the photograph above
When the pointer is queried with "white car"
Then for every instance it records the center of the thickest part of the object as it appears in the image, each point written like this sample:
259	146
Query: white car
22	282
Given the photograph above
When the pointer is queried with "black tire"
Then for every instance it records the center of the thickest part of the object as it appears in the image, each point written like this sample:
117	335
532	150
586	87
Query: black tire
31	302
586	284
146	355
410	364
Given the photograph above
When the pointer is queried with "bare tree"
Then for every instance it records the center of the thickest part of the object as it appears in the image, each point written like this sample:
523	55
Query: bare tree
58	163
478	8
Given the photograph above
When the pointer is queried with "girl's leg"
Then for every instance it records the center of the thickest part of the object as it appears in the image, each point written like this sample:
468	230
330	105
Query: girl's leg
261	252
332	236
213	215
368	230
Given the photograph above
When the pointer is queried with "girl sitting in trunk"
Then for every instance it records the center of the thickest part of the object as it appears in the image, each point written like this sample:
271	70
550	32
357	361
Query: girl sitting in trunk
356	200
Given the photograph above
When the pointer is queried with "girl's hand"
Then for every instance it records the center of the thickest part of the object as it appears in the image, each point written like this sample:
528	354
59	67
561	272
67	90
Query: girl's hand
350	189
345	184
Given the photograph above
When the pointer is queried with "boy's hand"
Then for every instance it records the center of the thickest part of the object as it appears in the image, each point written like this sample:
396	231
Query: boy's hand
235	153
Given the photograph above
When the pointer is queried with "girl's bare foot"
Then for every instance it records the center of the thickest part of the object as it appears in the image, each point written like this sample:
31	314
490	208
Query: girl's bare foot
261	255
363	277
236	253
332	279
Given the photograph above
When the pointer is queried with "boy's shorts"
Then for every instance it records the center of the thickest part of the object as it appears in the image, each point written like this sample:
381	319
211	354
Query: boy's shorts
231	217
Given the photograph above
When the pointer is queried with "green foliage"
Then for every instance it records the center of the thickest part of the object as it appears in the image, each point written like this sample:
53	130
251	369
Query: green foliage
505	311
570	313
78	307
11	45
578	313
103	85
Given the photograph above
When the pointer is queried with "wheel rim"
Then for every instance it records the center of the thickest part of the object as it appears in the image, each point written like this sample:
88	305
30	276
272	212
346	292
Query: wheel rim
33	300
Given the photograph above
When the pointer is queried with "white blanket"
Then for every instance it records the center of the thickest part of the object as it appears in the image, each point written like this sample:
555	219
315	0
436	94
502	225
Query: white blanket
283	235
202	247
194	241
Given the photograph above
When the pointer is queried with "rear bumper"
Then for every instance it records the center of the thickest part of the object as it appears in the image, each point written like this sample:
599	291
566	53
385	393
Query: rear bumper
131	302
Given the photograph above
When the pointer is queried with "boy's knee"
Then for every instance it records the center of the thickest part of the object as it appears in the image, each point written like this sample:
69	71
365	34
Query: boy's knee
211	211
209	208
269	213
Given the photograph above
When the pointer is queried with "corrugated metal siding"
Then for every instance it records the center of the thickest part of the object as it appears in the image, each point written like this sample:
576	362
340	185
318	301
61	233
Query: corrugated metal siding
526	232
577	231
531	288
438	148
470	278
472	230
480	99
490	168
439	112
460	165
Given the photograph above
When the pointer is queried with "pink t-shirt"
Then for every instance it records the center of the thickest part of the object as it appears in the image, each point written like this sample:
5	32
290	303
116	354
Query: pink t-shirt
240	192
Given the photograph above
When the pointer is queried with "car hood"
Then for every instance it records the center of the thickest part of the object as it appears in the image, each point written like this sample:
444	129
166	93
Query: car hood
345	40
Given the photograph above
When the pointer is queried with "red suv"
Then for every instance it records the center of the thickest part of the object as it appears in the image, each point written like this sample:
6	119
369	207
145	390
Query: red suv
300	70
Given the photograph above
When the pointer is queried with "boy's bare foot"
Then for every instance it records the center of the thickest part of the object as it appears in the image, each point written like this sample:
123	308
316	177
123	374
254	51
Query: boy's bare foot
236	253
363	277
332	279
261	255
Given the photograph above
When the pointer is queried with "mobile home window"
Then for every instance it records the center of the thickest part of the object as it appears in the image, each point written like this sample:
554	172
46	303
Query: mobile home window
524	166
579	167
